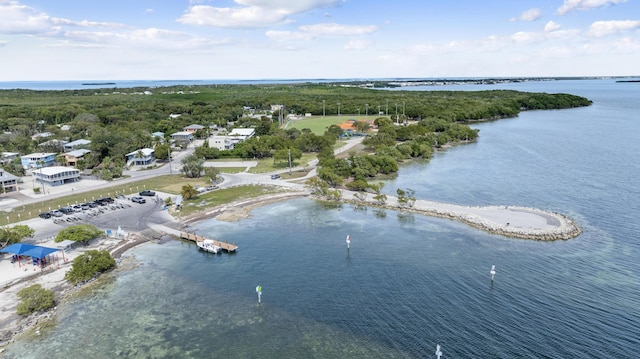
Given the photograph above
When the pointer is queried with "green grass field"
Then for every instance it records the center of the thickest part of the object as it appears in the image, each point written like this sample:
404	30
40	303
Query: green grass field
319	124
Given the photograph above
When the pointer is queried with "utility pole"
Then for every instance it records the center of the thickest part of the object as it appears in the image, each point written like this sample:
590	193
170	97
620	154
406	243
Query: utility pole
397	121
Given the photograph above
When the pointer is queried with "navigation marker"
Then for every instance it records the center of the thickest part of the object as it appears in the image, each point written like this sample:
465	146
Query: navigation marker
438	352
348	241
259	291
493	272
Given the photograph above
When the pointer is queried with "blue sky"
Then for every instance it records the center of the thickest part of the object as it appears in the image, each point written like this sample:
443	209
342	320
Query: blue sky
267	39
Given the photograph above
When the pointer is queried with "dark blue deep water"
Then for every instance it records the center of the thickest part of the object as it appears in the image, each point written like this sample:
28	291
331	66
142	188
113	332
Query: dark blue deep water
408	282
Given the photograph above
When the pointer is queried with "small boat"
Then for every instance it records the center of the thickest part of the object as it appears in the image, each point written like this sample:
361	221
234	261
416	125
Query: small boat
208	246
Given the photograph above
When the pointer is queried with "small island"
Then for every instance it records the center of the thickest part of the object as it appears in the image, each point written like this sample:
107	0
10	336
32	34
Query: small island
97	83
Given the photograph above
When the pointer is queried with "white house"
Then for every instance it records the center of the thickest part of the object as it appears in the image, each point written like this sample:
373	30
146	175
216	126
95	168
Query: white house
141	157
228	142
243	133
222	143
56	175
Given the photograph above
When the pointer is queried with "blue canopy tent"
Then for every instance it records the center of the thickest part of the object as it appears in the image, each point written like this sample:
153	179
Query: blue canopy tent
29	250
17	249
38	254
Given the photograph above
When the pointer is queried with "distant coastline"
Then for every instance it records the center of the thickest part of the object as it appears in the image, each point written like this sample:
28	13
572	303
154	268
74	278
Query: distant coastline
61	85
97	83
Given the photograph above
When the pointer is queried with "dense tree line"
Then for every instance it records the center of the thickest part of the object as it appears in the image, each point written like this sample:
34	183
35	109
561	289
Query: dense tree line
121	121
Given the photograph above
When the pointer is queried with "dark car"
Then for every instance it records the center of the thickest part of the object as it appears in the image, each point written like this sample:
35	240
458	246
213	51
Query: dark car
147	193
137	199
45	215
275	176
104	201
66	210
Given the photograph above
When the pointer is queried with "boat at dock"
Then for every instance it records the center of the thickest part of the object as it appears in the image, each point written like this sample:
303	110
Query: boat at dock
208	245
225	246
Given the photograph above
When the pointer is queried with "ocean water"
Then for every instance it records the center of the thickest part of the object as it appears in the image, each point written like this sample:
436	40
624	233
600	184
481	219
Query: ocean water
408	282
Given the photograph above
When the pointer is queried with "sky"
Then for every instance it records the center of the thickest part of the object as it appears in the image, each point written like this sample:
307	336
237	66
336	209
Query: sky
48	40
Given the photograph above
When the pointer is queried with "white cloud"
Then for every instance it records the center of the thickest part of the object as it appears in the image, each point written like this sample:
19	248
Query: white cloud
358	44
571	5
604	28
527	37
149	11
551	26
310	32
22	19
289	36
292	7
529	15
250	13
333	29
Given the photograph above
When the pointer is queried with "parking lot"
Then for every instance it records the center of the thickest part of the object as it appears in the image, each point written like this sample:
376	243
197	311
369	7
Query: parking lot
126	213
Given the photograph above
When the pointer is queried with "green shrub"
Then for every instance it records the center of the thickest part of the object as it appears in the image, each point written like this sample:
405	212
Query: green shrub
35	298
79	233
88	265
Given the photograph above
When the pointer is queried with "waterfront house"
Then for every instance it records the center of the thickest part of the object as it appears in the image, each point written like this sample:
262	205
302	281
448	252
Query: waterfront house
141	157
56	175
8	181
37	160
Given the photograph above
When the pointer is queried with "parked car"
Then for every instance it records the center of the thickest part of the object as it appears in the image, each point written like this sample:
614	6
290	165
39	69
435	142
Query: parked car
56	213
104	201
147	193
45	215
275	176
66	210
137	199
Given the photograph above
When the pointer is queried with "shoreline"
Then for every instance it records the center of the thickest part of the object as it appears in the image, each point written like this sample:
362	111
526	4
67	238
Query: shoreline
509	221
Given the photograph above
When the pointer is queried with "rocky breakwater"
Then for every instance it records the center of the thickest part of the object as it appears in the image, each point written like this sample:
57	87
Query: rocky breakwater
509	221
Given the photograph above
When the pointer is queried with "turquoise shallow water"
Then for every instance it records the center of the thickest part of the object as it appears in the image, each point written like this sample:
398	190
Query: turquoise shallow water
408	282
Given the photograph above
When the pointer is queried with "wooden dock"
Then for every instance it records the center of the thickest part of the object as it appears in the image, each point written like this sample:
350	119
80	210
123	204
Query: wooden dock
229	247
